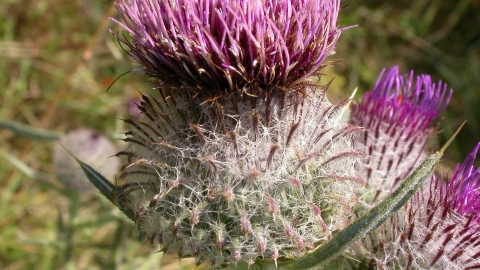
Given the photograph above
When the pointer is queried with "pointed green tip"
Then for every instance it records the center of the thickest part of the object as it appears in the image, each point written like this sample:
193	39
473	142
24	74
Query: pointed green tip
442	150
101	183
345	111
354	92
70	153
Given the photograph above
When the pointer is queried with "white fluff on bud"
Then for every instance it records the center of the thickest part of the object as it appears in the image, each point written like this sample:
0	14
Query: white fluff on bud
265	181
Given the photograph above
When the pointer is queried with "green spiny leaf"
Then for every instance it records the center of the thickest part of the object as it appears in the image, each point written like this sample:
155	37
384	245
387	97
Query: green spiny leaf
102	184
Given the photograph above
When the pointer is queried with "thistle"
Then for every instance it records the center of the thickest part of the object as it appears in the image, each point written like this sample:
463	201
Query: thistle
238	156
439	228
398	120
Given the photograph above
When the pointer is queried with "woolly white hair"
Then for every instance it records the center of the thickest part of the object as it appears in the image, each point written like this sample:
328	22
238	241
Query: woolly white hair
240	177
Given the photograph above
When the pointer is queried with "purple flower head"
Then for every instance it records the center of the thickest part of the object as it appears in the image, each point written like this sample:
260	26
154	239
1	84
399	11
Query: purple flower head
401	100
227	44
463	190
440	226
396	116
429	232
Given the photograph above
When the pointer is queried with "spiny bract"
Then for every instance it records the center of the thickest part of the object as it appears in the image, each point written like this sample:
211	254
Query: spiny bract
226	186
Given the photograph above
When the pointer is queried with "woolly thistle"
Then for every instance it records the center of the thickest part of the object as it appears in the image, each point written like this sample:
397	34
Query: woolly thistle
439	228
238	156
397	117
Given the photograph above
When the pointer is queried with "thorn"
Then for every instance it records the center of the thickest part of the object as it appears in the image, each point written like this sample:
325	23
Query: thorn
345	108
353	93
451	138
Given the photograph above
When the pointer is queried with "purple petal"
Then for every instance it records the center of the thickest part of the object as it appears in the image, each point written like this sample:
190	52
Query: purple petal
276	43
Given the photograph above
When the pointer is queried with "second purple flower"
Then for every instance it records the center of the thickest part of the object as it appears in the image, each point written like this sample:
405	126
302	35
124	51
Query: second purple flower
397	116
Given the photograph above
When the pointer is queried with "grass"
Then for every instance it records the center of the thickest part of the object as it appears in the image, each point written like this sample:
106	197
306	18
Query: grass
57	59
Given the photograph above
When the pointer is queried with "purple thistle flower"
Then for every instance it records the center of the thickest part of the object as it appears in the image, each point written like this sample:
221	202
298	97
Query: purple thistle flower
439	228
227	44
237	156
397	116
395	101
463	190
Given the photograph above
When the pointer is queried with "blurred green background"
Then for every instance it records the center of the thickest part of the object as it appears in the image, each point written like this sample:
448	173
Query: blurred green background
57	59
